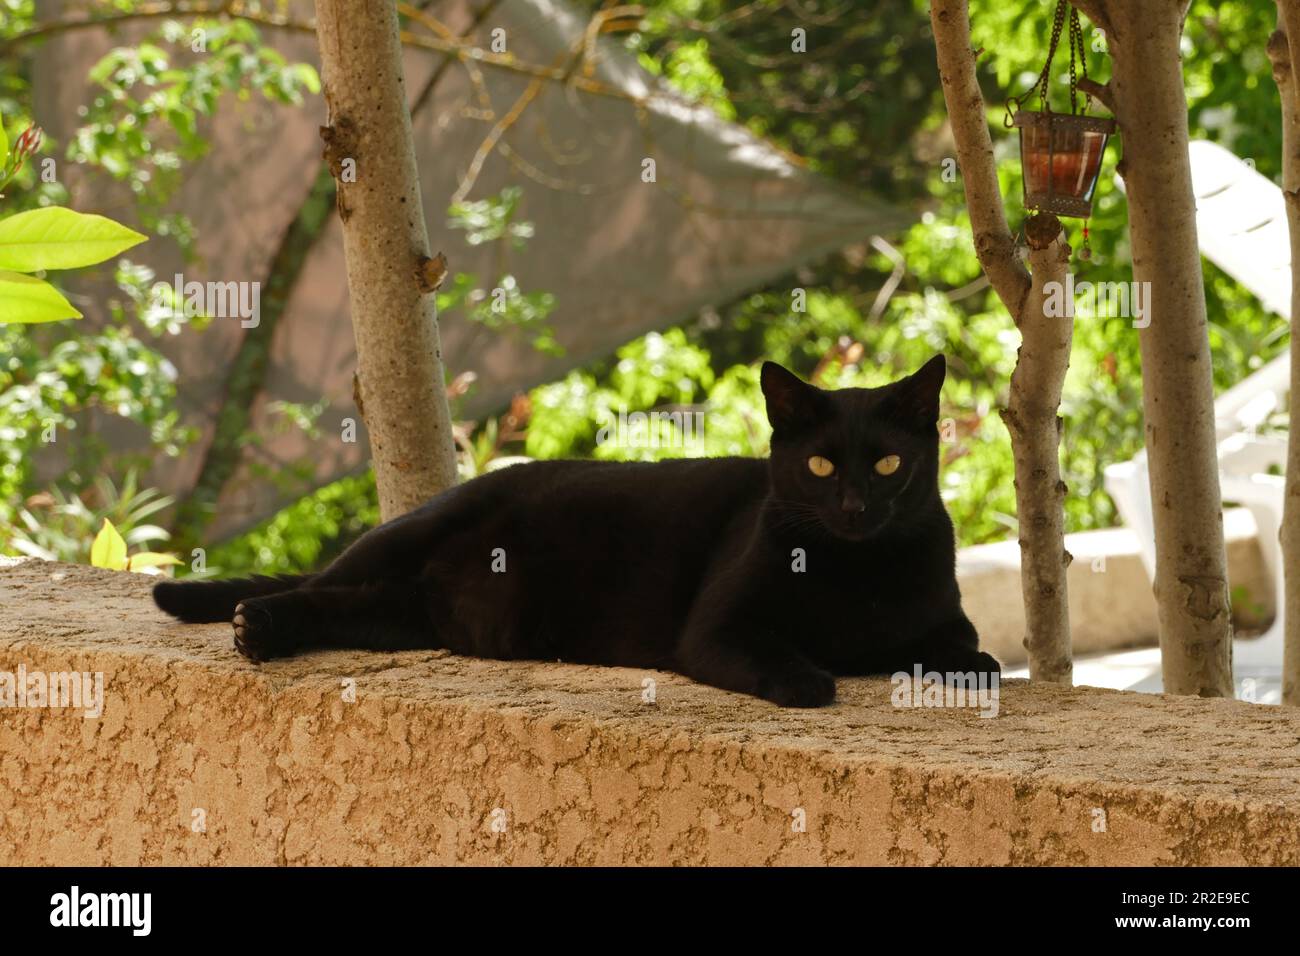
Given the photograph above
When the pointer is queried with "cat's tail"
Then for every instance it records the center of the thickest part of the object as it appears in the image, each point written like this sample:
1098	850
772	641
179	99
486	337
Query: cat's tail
207	602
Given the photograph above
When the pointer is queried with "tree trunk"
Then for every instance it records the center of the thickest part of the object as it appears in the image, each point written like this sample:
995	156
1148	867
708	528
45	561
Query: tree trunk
1031	417
1191	587
1044	355
1282	49
391	276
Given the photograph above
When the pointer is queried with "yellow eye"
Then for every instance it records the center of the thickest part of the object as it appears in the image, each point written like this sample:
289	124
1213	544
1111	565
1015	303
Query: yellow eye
888	465
821	467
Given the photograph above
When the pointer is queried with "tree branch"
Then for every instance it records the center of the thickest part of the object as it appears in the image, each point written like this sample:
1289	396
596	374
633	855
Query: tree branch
1101	92
145	11
440	44
1094	10
994	244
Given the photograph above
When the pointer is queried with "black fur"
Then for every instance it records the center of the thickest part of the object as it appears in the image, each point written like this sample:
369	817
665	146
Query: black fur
217	600
686	565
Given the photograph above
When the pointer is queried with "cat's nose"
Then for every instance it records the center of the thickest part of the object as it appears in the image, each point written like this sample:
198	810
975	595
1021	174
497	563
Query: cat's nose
852	503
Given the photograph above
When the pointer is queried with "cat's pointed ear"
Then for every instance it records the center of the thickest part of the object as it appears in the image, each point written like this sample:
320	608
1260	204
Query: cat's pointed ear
916	398
791	402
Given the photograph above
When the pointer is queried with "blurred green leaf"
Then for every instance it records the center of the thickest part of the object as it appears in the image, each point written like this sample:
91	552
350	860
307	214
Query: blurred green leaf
108	549
59	238
26	299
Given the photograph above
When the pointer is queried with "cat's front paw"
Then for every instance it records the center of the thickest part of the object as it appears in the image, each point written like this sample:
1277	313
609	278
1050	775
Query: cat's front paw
805	687
960	660
255	633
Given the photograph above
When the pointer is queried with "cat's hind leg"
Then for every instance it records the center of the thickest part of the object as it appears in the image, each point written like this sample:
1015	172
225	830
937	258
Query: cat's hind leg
381	618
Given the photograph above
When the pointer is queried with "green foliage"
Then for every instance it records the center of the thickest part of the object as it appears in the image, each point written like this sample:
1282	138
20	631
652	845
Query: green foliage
866	109
307	534
44	239
47	395
144	125
59	526
850	106
28	300
492	219
895	143
141	128
690	70
504	308
51	238
863	106
57	238
653	370
109	551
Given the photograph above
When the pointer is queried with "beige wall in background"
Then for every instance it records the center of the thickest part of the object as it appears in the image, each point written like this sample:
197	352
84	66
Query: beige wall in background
1109	610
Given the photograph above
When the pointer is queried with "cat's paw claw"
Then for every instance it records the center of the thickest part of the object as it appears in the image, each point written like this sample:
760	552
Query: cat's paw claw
244	636
806	688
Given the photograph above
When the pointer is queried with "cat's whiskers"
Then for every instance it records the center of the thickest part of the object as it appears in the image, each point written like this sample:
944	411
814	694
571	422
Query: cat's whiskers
797	516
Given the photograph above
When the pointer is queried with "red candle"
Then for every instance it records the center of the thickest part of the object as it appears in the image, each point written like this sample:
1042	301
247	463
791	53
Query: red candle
1067	173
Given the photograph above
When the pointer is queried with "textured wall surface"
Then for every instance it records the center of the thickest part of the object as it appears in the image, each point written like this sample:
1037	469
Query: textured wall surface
449	760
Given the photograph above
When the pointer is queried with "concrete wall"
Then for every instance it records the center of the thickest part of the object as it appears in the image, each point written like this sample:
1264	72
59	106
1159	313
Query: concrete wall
1111	604
576	767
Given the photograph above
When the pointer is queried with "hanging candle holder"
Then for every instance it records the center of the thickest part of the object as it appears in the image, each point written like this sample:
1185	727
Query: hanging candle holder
1060	156
1060	153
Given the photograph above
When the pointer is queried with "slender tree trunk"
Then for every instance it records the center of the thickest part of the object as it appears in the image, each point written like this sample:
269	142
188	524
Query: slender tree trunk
1283	48
1147	96
391	276
1044	355
1035	427
245	378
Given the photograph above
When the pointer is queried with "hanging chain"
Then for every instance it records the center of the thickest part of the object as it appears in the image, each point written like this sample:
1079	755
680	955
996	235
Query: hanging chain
1043	84
1045	78
1076	45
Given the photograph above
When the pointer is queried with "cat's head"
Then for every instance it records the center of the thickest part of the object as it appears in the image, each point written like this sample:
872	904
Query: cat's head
858	462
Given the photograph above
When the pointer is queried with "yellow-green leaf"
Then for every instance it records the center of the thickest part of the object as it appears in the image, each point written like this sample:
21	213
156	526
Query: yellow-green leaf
59	238
28	299
150	559
4	143
109	550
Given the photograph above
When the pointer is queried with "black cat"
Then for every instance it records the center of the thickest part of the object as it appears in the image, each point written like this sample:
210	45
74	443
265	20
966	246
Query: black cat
835	556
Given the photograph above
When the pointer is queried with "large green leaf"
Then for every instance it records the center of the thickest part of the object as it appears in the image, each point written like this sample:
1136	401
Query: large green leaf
28	299
59	238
